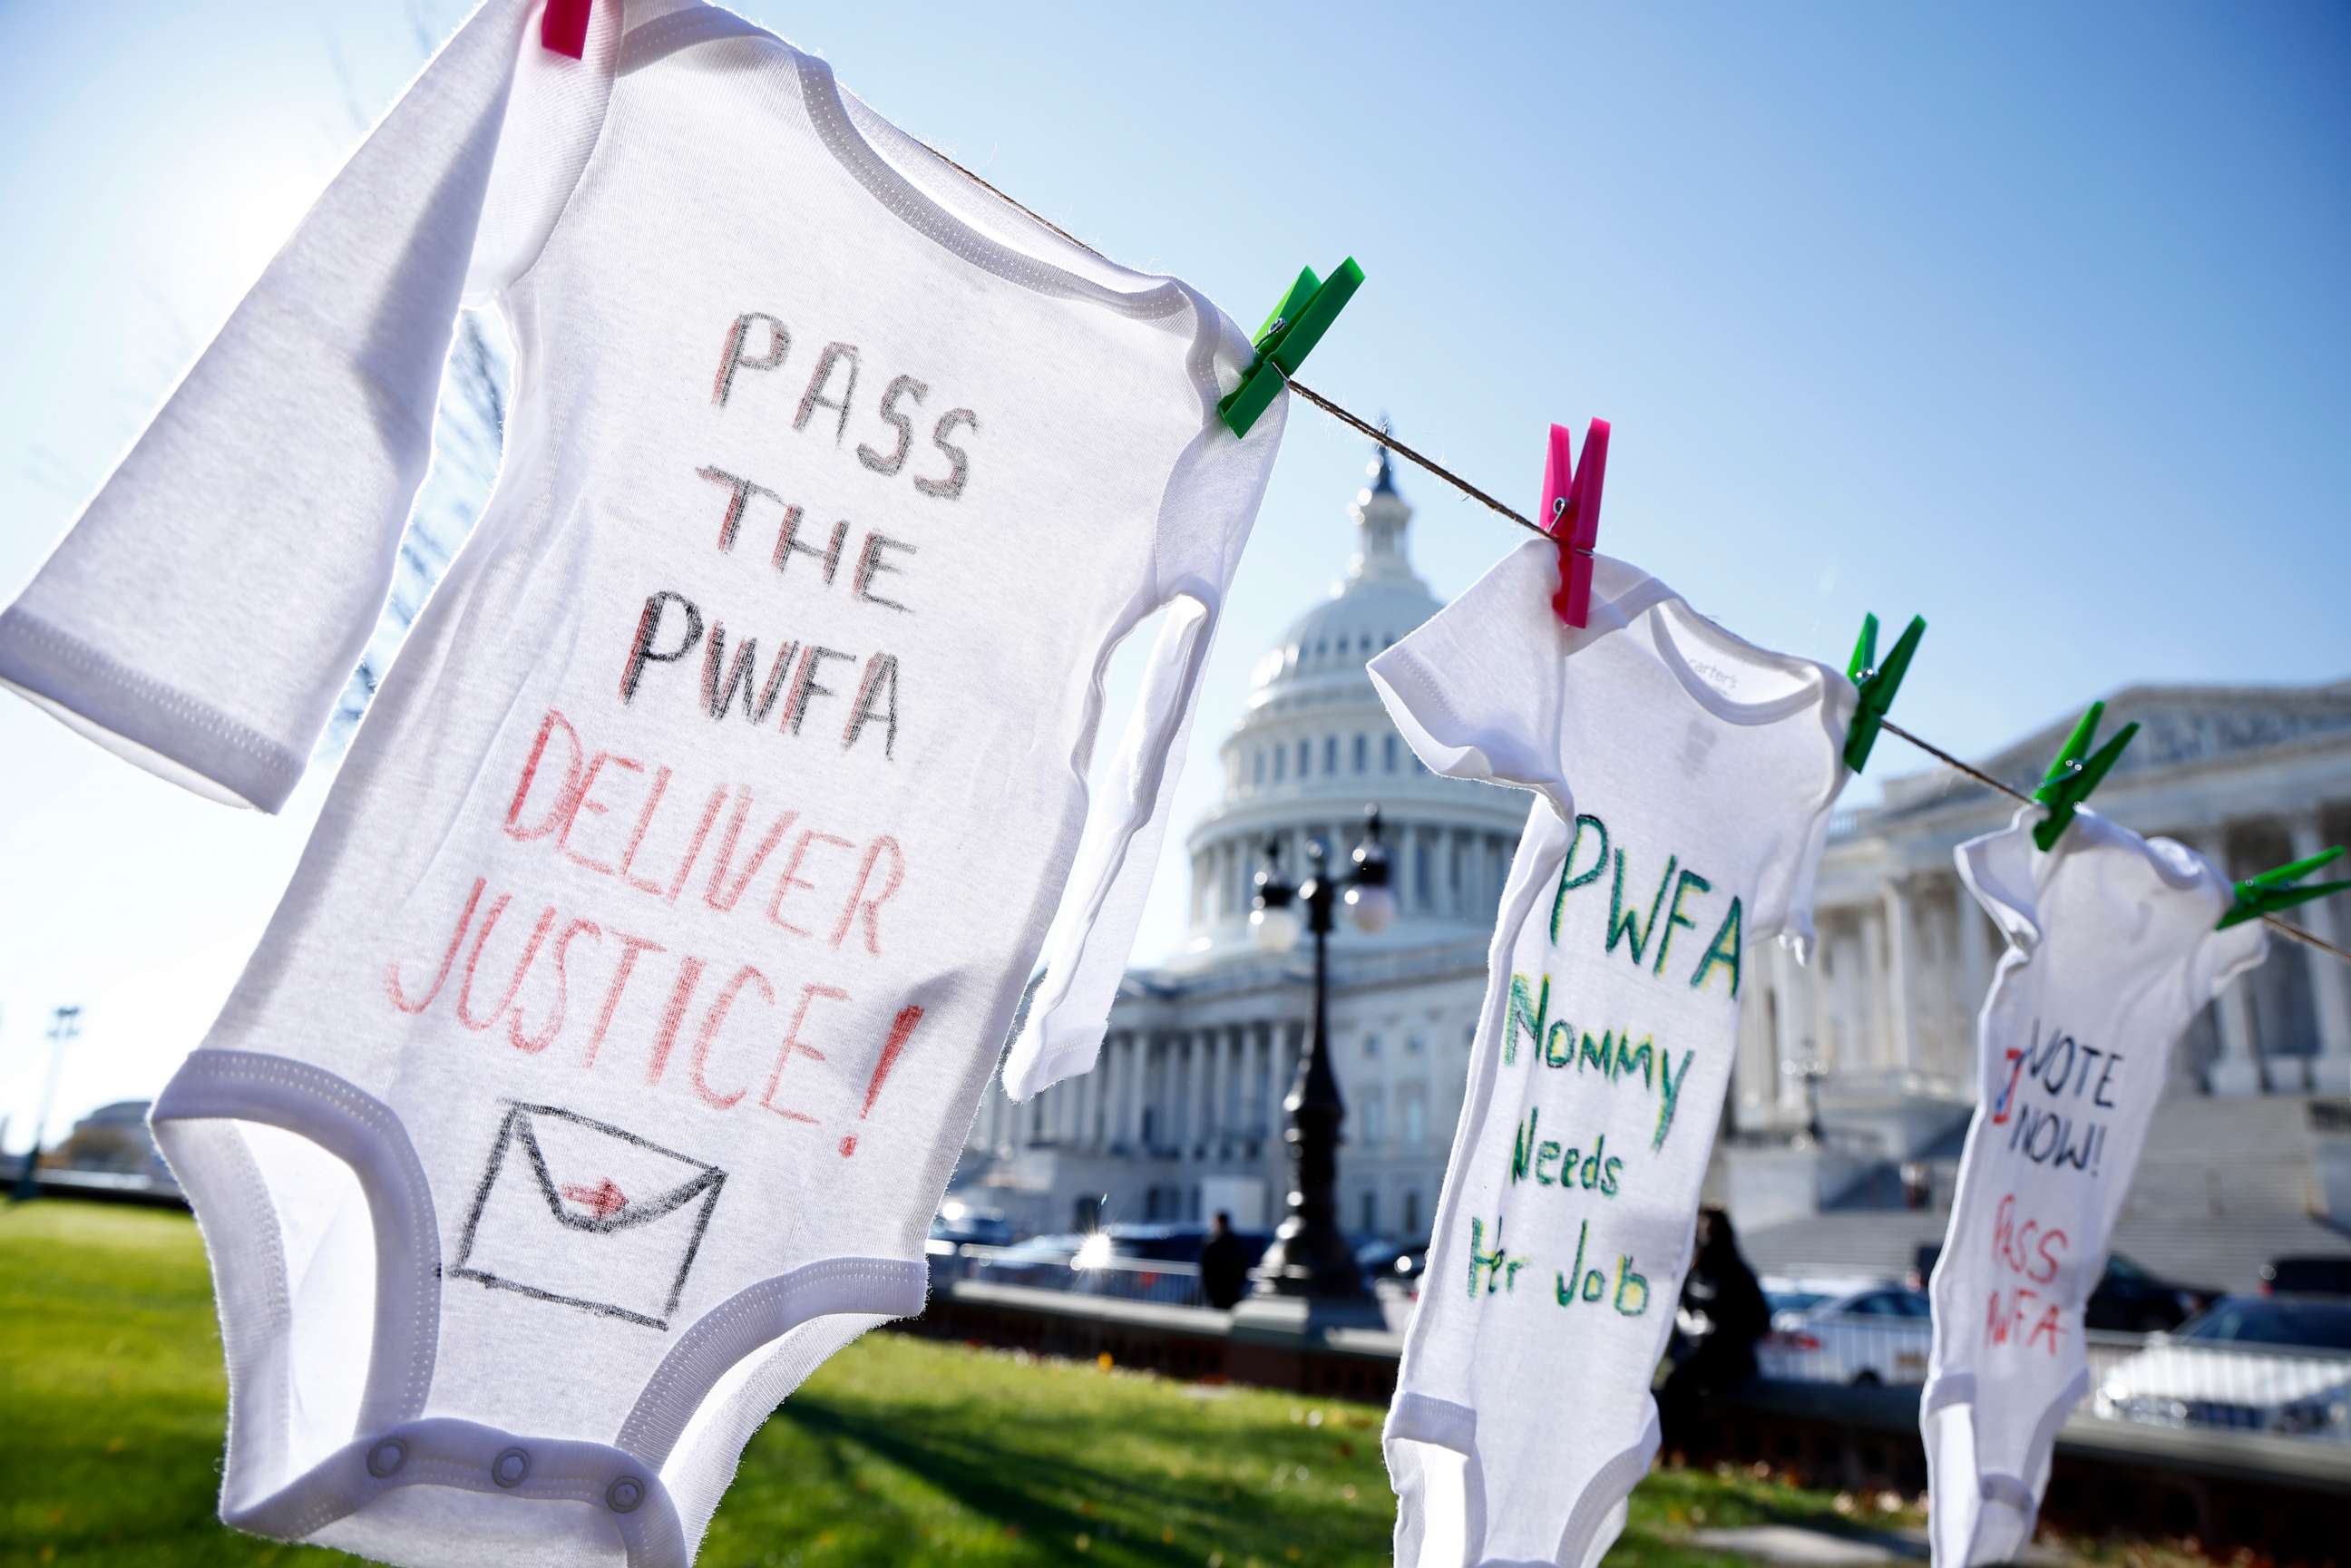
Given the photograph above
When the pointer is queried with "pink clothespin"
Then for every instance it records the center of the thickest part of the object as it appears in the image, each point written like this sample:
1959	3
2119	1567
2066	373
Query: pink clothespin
1571	510
564	27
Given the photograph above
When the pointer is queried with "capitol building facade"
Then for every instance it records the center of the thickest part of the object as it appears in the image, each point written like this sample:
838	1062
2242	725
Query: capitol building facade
1866	1049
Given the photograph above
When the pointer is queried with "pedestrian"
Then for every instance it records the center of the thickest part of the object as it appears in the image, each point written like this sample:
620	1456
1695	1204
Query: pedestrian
1723	1315
1224	1264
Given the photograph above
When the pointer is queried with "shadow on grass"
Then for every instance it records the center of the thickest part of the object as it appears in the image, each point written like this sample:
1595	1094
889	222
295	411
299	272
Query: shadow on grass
1027	1485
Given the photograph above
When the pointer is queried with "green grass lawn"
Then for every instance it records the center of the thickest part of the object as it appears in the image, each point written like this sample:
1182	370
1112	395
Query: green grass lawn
898	1451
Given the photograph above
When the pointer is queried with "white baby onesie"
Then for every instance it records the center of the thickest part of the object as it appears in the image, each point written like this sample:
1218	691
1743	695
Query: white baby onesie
2111	952
1683	782
610	1052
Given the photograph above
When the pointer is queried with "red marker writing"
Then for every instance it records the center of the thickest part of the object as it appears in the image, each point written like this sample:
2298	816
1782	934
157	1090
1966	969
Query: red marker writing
901	1028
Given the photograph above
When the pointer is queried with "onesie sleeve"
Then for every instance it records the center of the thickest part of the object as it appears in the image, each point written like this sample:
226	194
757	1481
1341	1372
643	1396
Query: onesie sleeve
2220	955
203	615
1998	869
1477	688
1210	502
1784	908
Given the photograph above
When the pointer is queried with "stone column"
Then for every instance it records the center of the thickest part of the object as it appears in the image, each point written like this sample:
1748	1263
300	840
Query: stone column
1175	1103
1821	988
2330	978
1791	986
1205	1042
1114	1062
2237	1070
1849	999
1111	1070
1870	1026
1150	1096
1270	1087
1138	1086
1070	1112
1236	1098
1901	949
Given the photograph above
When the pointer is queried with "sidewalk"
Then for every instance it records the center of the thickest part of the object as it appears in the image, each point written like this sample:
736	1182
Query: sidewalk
1796	1546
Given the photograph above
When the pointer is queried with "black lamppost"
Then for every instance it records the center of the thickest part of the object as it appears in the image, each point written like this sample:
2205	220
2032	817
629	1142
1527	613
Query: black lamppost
1310	1255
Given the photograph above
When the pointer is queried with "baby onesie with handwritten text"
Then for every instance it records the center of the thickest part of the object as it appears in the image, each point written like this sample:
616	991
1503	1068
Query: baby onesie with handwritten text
1683	781
605	1061
2112	950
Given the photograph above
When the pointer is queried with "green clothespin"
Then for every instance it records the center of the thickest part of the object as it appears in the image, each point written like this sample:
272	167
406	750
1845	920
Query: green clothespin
1878	683
2072	777
1287	336
2273	890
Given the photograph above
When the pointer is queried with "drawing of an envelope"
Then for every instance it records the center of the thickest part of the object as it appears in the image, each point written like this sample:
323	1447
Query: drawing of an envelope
583	1214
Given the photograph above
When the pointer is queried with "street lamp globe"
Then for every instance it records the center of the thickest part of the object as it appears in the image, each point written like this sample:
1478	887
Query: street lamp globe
1274	930
1372	909
1273	909
1371	903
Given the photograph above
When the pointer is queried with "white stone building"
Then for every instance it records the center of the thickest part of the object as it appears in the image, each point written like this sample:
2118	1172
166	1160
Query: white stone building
1183	1113
2250	777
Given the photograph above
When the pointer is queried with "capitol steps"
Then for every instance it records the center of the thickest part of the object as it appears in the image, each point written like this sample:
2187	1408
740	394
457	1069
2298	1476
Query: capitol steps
2224	1185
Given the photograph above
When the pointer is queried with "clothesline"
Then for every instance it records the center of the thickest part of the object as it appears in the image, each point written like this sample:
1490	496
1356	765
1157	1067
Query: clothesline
1439	472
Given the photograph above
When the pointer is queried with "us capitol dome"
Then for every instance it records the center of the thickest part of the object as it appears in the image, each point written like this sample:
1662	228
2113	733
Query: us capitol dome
1183	1115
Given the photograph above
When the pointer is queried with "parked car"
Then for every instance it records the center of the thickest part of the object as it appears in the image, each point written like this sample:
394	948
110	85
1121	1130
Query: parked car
1042	1261
1796	1294
1877	1333
1116	1259
1410	1268
1392	1263
2128	1300
2133	1301
2262	1363
2309	1276
951	1235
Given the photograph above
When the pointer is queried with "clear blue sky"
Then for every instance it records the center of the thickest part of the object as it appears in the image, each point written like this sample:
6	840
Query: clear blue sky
2030	318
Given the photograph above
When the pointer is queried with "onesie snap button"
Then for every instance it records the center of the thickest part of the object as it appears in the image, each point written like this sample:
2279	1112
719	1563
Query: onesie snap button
510	1469
386	1458
623	1495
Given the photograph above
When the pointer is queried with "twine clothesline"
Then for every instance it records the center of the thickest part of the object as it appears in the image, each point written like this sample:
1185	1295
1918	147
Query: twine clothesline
1445	475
